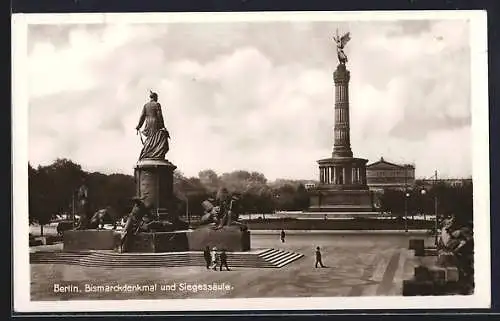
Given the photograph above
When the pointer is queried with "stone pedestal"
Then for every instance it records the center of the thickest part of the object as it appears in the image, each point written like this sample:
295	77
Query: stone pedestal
157	242
446	260
154	181
82	240
230	238
418	246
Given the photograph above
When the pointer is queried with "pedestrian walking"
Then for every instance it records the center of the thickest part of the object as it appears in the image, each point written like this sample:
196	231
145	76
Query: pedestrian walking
207	256
318	258
214	255
282	236
223	260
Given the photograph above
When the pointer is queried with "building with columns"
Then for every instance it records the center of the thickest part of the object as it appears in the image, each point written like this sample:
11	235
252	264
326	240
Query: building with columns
342	178
382	175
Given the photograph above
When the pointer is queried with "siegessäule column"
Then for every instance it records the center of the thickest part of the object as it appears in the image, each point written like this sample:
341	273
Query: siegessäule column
342	141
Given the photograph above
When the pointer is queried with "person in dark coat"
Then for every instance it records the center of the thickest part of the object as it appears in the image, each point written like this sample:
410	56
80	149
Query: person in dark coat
282	236
214	257
208	257
223	260
318	258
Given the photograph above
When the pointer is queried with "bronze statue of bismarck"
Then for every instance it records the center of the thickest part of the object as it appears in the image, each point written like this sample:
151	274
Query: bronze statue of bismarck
155	145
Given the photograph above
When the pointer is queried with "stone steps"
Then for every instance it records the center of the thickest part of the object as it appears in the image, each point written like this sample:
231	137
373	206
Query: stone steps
270	258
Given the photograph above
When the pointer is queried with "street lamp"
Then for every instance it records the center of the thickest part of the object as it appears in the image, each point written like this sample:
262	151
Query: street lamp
423	192
187	210
407	195
436	219
186	199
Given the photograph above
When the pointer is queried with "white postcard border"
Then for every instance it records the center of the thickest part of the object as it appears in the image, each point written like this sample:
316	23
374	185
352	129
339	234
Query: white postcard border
480	128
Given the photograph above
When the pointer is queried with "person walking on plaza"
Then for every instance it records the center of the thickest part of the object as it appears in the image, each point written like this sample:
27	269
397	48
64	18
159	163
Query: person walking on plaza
223	260
207	256
214	259
318	258
282	236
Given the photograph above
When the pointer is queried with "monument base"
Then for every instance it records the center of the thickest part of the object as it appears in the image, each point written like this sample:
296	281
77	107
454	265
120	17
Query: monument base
341	201
81	240
229	238
154	242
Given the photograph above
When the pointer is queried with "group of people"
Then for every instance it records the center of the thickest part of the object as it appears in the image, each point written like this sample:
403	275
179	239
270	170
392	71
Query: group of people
214	258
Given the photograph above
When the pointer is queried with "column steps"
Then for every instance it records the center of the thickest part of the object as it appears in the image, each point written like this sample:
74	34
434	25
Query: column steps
270	258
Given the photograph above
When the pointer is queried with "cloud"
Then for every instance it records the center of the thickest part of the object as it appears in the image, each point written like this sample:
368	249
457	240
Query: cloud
255	96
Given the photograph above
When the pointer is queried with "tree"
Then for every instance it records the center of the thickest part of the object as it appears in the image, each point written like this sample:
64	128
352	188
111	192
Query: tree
301	198
42	203
53	187
392	201
285	197
209	179
114	190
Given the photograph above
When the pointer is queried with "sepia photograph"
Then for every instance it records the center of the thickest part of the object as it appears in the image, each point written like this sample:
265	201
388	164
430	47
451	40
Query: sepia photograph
250	161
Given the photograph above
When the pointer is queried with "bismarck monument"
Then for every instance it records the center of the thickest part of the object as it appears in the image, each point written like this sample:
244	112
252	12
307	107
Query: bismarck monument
342	177
153	224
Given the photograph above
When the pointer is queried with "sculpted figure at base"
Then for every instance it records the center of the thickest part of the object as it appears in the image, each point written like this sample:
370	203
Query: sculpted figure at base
135	220
221	211
142	220
458	240
155	145
101	216
83	206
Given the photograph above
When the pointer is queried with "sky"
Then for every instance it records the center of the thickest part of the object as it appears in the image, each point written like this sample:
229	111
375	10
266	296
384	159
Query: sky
256	96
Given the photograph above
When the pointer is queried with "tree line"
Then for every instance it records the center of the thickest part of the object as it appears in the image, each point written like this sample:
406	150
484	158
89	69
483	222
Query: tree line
52	190
440	197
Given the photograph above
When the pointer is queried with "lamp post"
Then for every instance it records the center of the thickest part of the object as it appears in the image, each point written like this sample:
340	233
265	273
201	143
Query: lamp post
187	210
436	219
186	199
407	195
423	192
73	208
435	210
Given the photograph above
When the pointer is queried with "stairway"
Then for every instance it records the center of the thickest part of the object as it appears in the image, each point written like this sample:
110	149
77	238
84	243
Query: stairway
268	258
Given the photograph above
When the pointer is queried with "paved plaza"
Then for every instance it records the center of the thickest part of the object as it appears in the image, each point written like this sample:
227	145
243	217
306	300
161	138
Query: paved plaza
357	265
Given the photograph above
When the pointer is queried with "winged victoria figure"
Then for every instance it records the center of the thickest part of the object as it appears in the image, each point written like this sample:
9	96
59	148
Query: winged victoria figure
341	42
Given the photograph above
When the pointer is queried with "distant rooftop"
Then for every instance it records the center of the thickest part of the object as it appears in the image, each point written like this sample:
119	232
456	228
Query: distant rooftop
382	160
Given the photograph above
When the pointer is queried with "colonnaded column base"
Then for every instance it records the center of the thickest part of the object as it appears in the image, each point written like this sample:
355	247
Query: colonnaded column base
343	201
